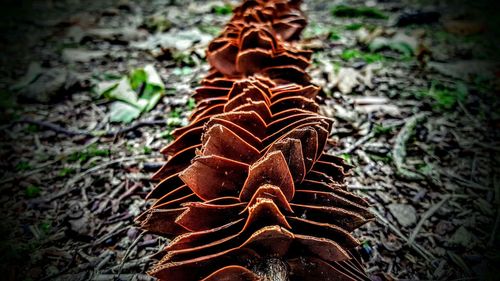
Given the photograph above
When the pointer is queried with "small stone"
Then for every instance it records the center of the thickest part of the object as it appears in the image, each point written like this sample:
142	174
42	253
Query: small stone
132	233
463	237
404	213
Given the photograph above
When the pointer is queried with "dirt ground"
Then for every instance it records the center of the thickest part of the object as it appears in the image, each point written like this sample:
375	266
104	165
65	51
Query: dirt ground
413	87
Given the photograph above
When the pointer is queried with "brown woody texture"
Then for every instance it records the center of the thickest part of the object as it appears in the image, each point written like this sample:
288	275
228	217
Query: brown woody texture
247	185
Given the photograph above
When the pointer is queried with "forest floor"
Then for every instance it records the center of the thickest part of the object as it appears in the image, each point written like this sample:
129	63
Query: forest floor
413	87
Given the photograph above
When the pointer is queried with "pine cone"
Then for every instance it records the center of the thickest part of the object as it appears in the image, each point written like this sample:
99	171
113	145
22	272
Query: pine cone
247	191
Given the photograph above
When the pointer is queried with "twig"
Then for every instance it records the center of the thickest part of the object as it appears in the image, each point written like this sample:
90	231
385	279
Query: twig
466	181
104	261
426	216
128	252
46	164
112	233
358	143
68	186
62	271
75	132
419	249
54	127
133	127
116	203
491	146
361	187
135	262
27	174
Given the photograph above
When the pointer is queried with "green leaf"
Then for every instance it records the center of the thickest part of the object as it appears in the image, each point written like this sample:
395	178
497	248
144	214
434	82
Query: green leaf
210	29
154	88
91	151
123	92
23	166
371	58
334	35
123	112
167	134
222	10
347	157
66	171
147	150
32	191
137	77
153	77
354	26
103	88
350	54
446	98
191	104
45	227
128	105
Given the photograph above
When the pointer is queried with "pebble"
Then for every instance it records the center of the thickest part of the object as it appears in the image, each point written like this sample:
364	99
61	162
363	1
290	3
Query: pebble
405	214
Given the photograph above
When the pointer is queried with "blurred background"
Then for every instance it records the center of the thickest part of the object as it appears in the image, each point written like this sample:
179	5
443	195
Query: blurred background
91	90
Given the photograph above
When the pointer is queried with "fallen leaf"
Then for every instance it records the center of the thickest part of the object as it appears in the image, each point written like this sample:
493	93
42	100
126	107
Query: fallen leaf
128	105
123	112
123	92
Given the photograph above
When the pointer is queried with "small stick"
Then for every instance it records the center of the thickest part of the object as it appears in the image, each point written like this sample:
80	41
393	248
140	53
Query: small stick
426	216
423	252
112	233
466	182
58	129
128	252
46	164
79	176
361	187
358	143
54	127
